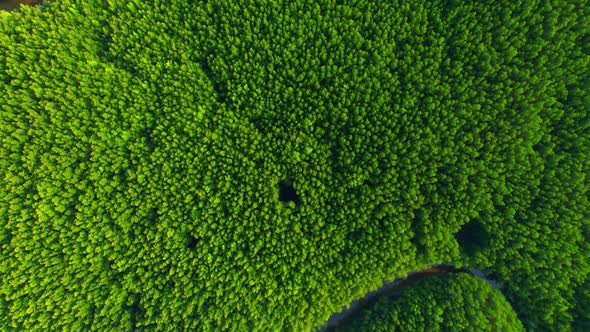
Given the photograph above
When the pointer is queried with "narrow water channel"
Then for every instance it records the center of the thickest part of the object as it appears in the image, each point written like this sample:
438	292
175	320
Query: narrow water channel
393	289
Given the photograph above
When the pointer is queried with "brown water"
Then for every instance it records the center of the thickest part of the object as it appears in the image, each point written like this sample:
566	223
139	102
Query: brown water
15	4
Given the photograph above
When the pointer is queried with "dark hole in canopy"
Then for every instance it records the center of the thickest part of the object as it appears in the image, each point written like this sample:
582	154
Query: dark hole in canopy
191	241
472	237
287	193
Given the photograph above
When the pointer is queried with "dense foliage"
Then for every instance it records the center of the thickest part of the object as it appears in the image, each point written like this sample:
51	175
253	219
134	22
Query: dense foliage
454	302
257	165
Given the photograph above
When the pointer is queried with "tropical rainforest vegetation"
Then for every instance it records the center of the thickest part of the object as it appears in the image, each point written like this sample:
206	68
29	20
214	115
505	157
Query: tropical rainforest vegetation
256	165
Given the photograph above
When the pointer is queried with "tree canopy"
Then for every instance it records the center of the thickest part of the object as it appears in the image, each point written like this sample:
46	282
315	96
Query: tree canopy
258	164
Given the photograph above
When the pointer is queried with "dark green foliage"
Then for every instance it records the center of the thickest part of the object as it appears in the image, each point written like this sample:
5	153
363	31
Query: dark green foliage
455	302
582	303
143	143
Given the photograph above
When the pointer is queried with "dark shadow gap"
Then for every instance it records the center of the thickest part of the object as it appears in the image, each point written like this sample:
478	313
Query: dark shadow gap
220	89
287	193
472	237
152	216
191	242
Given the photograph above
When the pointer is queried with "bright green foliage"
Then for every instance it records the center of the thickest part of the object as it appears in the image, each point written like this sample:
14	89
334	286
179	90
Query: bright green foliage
454	302
143	143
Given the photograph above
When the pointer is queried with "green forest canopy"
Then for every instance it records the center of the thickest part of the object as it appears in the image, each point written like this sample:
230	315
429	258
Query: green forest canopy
258	165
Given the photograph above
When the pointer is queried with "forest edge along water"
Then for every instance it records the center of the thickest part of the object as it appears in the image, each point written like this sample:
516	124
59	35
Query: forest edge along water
15	4
394	289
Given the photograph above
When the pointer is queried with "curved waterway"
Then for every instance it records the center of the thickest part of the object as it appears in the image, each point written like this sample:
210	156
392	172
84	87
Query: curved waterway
393	289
